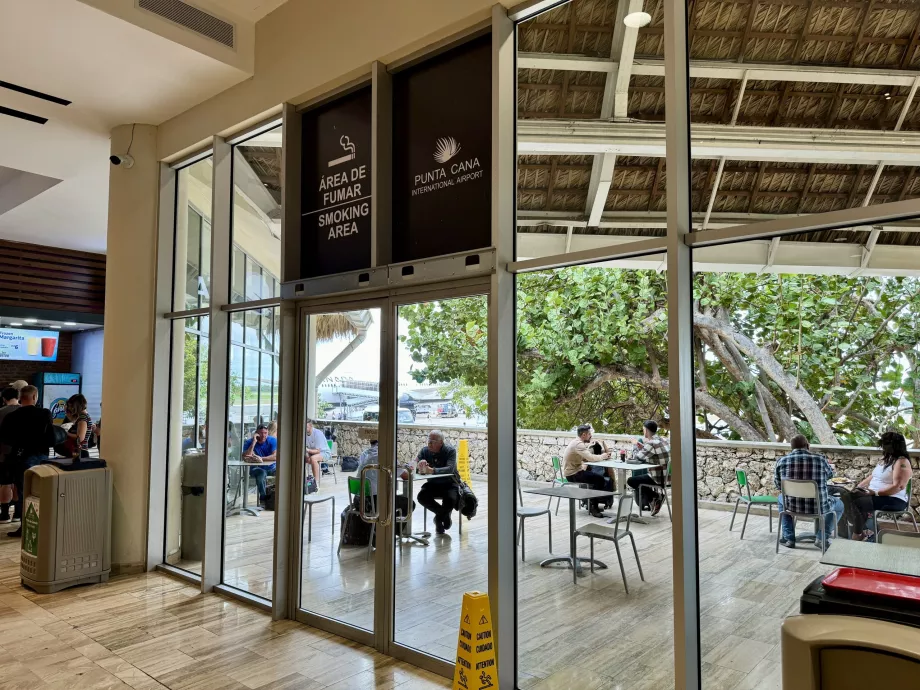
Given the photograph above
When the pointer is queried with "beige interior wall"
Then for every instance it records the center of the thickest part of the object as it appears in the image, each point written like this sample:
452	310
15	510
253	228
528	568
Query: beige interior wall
127	379
307	47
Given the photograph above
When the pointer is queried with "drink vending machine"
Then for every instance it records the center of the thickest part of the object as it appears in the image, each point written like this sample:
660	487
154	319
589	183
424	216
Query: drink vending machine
54	391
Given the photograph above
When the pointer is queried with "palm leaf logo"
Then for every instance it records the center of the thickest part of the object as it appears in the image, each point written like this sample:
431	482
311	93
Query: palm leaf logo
445	149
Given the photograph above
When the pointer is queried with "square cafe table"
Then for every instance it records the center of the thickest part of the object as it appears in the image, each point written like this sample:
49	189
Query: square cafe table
622	468
572	493
888	558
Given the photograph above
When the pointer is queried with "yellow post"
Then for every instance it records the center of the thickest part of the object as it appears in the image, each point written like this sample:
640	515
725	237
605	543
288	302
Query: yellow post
475	669
463	460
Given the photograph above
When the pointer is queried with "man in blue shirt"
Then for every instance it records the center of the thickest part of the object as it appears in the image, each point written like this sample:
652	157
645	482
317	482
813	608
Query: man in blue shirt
261	448
801	463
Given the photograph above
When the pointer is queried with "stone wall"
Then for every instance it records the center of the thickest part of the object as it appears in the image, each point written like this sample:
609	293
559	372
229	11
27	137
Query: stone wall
716	460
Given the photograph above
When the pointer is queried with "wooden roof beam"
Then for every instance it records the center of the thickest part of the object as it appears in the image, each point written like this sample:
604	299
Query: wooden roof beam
786	144
717	69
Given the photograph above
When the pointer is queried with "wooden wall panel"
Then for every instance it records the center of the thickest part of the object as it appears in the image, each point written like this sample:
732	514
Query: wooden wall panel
40	277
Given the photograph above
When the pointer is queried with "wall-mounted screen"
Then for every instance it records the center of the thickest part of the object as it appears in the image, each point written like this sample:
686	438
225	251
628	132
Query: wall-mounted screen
35	346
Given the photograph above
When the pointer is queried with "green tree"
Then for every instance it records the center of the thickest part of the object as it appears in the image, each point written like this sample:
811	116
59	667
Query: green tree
830	356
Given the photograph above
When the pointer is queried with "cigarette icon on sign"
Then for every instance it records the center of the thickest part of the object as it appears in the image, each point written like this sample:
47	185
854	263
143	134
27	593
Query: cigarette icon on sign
348	146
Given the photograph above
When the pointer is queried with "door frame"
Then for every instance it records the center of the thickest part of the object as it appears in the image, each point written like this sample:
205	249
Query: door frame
382	638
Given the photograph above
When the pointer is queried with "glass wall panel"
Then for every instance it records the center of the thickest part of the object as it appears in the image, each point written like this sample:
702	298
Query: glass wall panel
442	379
806	80
251	461
593	415
192	261
806	354
257	183
342	391
577	94
187	435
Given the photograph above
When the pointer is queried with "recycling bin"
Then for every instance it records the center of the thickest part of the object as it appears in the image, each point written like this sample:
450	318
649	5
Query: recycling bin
66	527
194	478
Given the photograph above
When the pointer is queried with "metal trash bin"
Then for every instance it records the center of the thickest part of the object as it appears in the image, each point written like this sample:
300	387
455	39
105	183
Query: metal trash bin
194	478
66	527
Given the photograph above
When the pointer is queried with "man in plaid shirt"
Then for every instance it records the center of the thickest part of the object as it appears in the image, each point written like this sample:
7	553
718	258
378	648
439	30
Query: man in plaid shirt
651	450
801	463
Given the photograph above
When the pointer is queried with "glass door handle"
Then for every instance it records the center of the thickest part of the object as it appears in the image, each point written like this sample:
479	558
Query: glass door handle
362	478
389	504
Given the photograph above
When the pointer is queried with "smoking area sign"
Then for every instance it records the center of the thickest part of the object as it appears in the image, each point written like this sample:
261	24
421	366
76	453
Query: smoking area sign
476	668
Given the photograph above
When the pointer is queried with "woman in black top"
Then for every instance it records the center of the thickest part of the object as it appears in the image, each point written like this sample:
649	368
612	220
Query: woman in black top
75	409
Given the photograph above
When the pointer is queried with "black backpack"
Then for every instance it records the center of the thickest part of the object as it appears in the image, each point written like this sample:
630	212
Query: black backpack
355	532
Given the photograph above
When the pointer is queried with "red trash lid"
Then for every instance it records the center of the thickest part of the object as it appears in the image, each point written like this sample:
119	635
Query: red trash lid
874	583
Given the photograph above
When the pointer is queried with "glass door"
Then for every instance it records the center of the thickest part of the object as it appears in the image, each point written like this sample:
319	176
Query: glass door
338	471
441	539
393	433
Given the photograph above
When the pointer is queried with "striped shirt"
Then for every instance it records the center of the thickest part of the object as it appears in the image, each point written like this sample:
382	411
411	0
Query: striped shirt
803	464
654	451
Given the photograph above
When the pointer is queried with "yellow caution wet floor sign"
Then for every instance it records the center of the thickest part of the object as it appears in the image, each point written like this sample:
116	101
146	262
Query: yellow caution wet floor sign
475	669
463	460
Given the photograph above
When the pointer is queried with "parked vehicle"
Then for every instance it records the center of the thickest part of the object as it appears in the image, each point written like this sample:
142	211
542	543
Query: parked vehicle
447	409
403	416
423	410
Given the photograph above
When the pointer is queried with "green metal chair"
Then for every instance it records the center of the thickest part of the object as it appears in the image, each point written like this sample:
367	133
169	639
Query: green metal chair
745	487
558	478
895	514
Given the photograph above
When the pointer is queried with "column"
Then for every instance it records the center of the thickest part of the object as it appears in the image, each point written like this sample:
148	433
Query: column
127	379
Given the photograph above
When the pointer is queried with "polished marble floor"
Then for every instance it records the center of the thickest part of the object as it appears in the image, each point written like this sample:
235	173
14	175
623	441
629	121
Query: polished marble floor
154	631
590	633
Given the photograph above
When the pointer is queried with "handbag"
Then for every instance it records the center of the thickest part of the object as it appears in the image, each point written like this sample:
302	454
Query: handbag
310	486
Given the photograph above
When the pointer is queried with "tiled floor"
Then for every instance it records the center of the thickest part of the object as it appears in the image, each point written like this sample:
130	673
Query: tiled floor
154	631
590	633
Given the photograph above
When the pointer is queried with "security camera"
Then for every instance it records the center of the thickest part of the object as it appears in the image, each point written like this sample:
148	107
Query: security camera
124	160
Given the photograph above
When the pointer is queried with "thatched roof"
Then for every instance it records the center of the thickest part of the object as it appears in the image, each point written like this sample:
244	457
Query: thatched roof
334	326
871	34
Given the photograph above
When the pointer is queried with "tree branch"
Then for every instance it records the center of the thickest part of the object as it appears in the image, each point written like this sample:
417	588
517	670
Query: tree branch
769	365
703	399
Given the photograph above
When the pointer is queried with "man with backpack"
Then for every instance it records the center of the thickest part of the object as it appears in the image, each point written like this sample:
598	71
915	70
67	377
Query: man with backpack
27	432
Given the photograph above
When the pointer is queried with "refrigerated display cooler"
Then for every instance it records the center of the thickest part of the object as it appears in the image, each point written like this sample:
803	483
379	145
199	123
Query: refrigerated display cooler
54	391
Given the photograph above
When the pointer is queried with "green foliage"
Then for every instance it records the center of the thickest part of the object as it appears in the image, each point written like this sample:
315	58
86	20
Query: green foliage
592	346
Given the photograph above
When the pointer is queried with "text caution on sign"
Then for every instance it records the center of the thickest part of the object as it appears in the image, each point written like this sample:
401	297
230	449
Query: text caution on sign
463	460
475	668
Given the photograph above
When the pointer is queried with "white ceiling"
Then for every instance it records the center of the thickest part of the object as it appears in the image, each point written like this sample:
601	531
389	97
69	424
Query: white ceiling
114	73
253	10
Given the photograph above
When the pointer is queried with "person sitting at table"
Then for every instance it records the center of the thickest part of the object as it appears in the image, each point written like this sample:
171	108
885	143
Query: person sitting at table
651	450
264	449
801	463
317	450
884	489
574	469
370	457
439	458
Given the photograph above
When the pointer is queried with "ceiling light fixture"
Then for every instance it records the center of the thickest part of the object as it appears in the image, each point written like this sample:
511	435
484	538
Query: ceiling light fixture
637	20
54	327
70	323
15	323
31	320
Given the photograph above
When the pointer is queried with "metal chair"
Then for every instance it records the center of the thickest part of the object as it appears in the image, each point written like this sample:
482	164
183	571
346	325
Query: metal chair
308	502
663	490
894	514
558	478
750	500
803	488
615	534
524	512
358	489
894	537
